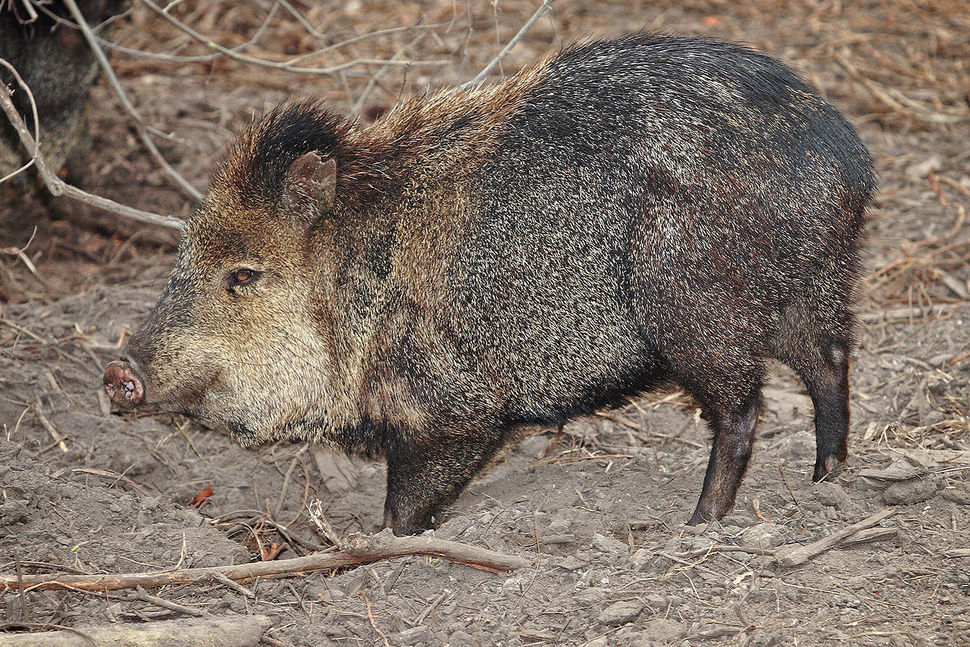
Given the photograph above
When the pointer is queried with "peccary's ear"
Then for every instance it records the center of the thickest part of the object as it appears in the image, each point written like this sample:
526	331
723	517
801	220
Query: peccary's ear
310	181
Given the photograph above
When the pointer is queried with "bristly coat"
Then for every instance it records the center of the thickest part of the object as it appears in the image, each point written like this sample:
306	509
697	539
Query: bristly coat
625	213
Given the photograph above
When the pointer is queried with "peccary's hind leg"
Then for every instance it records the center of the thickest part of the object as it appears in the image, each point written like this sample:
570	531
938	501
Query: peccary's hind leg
828	387
734	428
821	359
814	338
422	477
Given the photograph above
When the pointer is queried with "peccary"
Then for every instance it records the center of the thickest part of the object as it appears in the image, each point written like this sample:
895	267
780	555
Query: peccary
59	67
623	214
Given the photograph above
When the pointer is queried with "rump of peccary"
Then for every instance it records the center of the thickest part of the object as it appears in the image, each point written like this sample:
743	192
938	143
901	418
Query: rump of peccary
625	213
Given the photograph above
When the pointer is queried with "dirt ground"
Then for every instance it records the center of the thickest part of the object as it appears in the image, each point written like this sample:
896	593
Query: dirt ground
601	509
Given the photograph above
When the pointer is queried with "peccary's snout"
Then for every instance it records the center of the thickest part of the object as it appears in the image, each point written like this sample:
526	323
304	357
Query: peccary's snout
123	385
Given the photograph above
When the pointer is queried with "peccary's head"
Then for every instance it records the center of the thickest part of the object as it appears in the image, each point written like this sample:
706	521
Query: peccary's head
236	336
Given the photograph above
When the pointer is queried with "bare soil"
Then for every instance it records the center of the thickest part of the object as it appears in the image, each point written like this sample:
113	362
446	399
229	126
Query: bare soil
601	508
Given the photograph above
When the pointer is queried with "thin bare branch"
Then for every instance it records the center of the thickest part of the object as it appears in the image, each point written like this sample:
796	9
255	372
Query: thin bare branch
363	549
380	73
205	58
237	56
357	39
82	24
508	47
290	9
175	58
171	58
792	555
33	111
31	12
58	187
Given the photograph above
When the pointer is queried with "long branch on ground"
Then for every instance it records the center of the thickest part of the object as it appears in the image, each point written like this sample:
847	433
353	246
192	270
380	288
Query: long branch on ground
359	550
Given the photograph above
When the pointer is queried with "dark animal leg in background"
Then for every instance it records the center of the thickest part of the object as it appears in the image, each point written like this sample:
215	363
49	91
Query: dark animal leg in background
829	391
733	437
422	478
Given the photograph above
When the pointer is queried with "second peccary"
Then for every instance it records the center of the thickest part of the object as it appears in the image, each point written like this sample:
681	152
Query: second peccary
626	213
54	61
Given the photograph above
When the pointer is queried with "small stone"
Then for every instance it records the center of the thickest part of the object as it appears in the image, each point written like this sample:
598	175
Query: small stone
664	631
908	492
695	543
657	602
561	523
832	495
462	639
533	446
739	520
13	512
898	470
697	530
958	493
413	636
571	563
620	613
641	558
764	536
606	544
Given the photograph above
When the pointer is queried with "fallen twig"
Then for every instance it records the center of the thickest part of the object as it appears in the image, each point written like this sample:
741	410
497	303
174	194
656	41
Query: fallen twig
235	586
626	422
370	616
15	251
215	631
362	549
319	518
51	429
24	614
723	548
576	459
115	476
797	555
905	313
25	331
145	596
953	183
784	478
870	535
59	187
958	358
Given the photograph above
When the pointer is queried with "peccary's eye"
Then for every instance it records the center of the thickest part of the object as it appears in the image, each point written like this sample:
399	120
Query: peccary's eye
240	277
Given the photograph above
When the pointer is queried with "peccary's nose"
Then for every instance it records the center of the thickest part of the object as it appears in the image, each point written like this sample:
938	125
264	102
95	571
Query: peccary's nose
122	385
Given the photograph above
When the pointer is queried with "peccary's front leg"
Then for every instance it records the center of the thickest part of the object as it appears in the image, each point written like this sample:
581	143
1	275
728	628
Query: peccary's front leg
423	475
734	429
